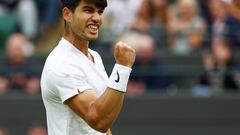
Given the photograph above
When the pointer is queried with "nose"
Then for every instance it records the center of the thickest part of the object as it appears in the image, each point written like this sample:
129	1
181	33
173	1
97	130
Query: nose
96	17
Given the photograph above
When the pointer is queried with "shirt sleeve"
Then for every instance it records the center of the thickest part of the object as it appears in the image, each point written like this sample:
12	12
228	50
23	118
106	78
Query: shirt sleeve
67	85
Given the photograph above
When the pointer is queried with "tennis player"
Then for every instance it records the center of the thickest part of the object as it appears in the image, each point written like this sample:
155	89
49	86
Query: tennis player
79	97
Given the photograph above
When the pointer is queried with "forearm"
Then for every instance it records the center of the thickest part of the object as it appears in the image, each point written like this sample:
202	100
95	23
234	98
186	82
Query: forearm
107	107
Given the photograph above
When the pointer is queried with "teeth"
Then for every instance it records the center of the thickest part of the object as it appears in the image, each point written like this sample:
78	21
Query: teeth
92	27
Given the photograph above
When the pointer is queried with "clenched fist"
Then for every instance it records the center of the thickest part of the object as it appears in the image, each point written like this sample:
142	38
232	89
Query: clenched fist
124	54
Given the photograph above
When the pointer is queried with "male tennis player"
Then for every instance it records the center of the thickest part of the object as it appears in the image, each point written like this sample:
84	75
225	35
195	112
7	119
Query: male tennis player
78	96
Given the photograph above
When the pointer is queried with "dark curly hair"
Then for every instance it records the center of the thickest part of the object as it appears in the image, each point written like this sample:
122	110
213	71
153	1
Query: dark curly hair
72	4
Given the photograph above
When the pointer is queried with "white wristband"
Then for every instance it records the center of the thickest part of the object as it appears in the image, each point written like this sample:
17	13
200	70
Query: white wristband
119	78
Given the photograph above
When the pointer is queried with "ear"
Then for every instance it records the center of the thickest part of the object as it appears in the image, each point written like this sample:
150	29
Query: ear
67	14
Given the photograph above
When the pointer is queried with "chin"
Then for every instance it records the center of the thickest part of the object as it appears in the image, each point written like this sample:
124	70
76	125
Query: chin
93	37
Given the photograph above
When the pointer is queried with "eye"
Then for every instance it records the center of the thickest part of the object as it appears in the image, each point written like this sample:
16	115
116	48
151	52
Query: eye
87	10
100	12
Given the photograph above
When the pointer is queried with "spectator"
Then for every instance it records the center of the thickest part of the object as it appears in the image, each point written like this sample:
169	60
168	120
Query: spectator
204	10
232	24
37	129
19	67
3	84
153	18
147	74
219	73
162	15
19	16
187	28
144	17
48	13
4	131
227	4
218	16
119	15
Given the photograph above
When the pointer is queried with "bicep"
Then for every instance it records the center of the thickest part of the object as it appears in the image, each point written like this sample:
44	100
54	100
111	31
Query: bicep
81	103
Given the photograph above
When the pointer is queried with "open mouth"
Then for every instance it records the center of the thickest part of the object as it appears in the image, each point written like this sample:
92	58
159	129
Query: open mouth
93	28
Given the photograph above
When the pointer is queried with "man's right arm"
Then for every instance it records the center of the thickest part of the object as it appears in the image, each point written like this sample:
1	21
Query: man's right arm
101	112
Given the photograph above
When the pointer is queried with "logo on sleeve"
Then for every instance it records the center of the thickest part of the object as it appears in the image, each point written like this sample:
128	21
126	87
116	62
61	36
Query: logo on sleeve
118	78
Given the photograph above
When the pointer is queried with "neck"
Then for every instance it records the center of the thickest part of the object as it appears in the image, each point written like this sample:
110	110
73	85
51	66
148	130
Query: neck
80	44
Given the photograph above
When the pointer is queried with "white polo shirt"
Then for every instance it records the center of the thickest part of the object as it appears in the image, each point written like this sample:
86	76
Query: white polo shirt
67	70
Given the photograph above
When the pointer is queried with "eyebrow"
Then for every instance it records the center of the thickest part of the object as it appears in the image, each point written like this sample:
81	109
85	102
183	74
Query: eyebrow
88	7
91	7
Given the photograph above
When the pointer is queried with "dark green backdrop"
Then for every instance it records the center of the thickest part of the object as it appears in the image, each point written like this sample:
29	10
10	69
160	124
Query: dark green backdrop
145	115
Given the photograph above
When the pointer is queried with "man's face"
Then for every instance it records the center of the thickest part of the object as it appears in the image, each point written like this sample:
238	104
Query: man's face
86	21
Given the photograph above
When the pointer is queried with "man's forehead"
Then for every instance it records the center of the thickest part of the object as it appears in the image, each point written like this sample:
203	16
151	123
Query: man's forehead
97	3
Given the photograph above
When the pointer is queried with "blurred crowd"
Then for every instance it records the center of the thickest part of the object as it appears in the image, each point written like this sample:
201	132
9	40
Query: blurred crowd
180	44
36	128
22	24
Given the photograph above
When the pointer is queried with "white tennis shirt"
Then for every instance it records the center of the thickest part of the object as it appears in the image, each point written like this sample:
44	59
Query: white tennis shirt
66	71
